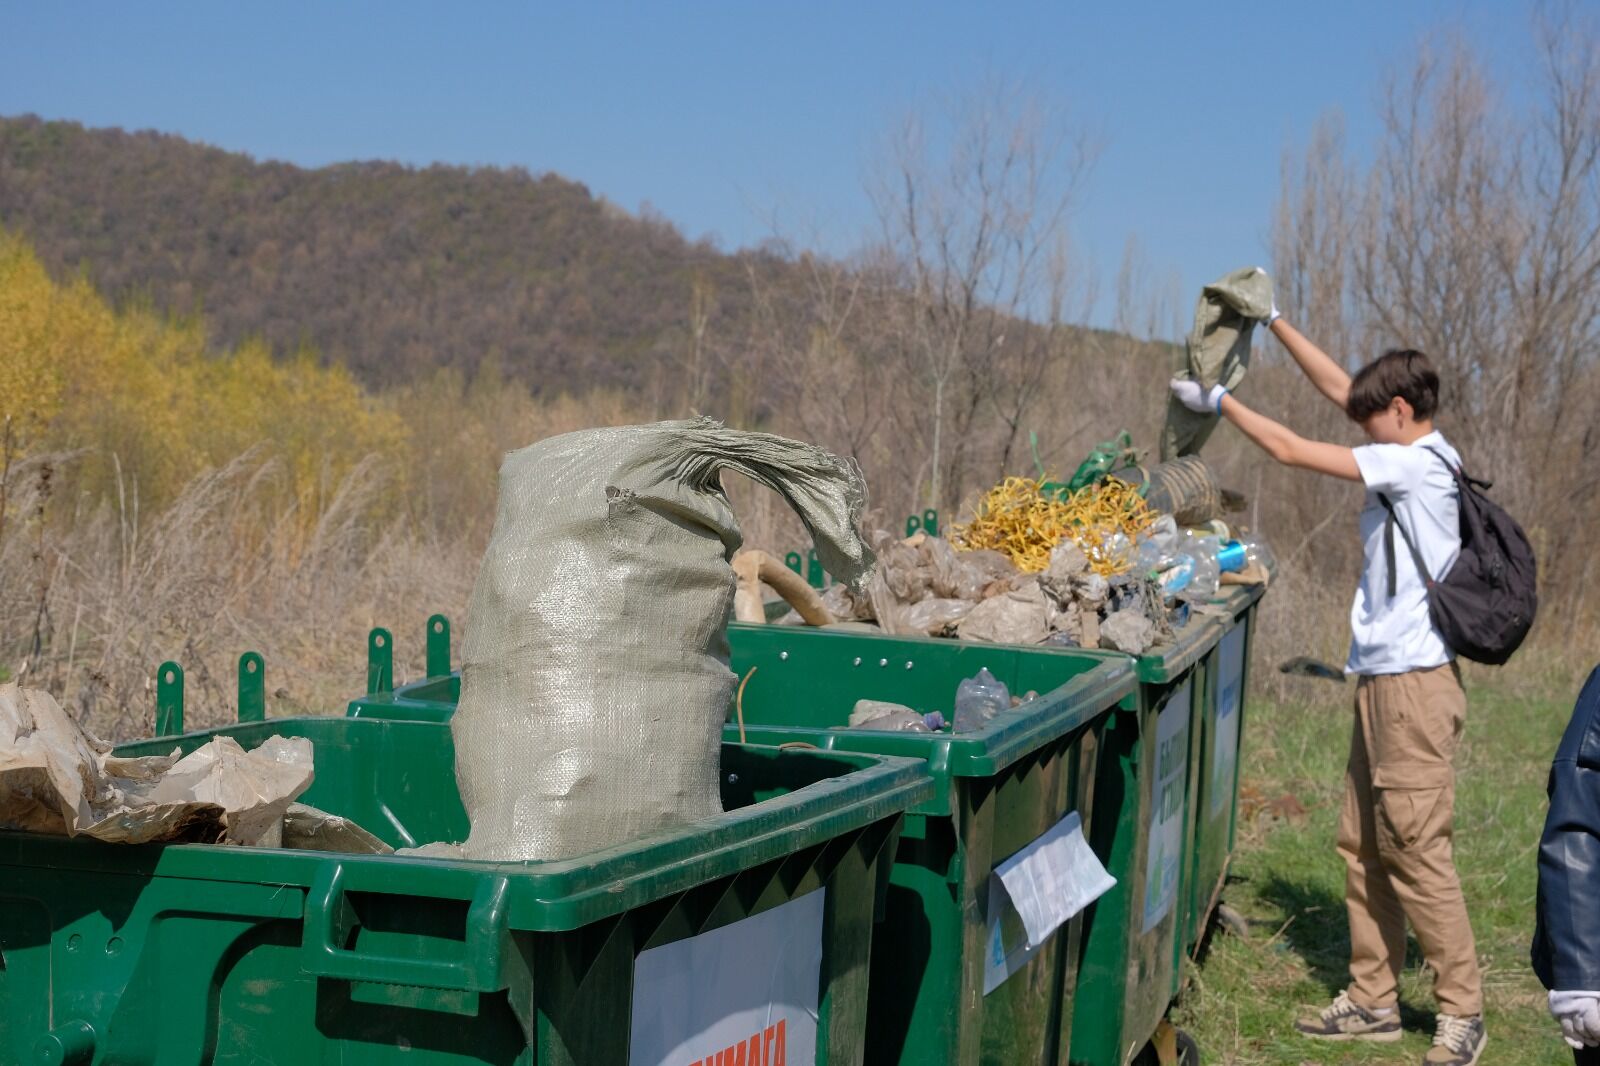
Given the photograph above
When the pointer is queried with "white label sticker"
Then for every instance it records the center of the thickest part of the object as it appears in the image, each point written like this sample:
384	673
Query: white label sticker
744	993
1225	735
1168	801
1043	885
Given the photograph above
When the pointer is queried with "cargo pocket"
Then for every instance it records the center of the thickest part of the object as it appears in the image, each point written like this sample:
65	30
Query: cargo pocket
1413	803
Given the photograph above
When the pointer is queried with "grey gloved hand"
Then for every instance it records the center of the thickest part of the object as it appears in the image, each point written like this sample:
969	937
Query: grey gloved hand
1196	397
1579	1015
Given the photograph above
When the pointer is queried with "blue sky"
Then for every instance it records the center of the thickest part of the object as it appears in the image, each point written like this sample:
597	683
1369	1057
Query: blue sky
728	117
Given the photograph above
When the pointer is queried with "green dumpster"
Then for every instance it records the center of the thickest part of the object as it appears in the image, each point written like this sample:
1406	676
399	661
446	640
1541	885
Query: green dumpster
743	937
952	977
1134	938
1220	721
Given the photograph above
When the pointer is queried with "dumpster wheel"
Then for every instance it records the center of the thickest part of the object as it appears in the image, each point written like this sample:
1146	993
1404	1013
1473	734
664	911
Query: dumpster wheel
1170	1046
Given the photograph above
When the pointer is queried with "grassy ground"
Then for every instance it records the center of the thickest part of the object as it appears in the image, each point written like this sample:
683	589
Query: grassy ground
1288	883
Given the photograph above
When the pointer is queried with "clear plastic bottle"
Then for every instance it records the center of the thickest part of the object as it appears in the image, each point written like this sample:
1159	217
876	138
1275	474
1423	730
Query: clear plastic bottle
978	699
1257	550
1204	549
1176	575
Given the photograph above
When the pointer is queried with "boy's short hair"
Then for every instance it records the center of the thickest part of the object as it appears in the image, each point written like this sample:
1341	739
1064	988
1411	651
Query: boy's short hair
1399	372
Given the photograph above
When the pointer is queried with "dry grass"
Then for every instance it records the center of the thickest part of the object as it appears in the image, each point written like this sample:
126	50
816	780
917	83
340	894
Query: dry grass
1288	882
113	592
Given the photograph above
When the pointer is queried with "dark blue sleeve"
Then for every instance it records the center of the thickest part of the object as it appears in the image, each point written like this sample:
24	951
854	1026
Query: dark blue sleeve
1566	942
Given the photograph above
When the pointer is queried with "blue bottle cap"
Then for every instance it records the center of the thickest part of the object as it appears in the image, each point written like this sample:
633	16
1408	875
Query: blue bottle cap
1231	557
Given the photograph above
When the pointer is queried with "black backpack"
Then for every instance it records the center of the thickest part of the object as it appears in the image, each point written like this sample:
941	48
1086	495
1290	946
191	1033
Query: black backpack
1484	607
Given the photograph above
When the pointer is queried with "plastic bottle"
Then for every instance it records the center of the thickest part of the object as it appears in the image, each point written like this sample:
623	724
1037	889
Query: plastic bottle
1177	575
1257	550
1204	549
978	699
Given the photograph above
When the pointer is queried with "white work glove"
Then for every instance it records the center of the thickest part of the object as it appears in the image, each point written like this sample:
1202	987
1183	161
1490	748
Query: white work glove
1274	315
1196	397
1579	1015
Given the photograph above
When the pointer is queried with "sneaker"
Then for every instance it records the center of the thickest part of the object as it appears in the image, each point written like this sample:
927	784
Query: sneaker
1458	1041
1346	1020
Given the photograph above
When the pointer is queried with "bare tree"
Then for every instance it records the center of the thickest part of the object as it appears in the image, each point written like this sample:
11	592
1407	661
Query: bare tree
1475	236
973	202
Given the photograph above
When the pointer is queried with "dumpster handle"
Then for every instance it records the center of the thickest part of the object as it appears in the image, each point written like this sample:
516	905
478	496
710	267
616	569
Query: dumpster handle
327	926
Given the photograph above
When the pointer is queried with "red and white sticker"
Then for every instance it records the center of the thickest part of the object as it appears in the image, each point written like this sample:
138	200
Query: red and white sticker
742	995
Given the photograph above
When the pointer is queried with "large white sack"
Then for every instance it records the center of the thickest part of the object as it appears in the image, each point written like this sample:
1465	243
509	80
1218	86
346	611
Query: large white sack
595	676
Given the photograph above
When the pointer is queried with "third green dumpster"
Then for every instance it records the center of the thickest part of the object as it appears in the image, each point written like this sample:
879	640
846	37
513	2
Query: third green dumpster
1221	721
1144	798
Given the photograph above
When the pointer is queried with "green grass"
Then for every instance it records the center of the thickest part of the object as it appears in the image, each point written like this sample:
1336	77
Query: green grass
1288	882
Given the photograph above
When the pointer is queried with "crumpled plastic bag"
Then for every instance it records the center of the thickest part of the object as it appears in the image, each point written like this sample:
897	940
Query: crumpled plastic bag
883	716
1019	616
57	779
932	618
305	828
957	575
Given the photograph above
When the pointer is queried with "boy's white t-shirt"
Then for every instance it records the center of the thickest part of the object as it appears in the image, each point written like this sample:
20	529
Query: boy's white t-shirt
1392	636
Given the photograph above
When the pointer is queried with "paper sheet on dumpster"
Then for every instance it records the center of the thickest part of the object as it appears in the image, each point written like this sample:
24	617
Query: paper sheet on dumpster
1054	878
55	778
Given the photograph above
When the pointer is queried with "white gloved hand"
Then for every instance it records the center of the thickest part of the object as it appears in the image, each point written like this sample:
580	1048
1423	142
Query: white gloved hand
1274	315
1579	1015
1196	397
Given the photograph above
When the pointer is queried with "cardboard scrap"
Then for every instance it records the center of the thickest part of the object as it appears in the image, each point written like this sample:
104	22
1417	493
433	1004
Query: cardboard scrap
55	778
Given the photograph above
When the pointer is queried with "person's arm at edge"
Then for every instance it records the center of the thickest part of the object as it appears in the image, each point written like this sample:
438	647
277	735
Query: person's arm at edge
1288	447
1328	376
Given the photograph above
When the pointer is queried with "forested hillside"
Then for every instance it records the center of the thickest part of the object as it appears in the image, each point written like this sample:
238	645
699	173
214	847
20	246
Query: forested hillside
390	269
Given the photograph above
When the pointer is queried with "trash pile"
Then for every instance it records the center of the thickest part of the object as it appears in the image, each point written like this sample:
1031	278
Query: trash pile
57	779
1043	563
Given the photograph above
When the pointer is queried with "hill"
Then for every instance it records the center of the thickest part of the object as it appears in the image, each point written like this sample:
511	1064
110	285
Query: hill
390	269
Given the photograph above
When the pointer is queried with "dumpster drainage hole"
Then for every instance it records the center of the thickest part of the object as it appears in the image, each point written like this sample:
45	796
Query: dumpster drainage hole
74	942
114	946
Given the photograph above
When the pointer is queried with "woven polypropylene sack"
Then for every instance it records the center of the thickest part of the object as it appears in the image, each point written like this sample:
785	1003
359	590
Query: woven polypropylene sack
1217	352
595	678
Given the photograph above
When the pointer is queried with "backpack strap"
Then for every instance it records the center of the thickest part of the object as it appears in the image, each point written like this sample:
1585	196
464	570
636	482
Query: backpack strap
1390	524
1460	474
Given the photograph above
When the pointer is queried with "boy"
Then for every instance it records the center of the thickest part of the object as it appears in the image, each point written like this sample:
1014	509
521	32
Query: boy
1395	828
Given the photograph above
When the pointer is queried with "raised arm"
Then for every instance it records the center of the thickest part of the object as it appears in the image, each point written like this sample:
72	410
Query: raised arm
1328	376
1274	438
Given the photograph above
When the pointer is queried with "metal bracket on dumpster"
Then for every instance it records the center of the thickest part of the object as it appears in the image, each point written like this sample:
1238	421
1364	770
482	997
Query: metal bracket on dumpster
927	522
380	662
808	567
169	699
438	646
329	921
252	687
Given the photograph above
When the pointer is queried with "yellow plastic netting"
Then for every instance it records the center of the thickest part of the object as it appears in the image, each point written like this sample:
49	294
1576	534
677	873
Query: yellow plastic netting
1023	521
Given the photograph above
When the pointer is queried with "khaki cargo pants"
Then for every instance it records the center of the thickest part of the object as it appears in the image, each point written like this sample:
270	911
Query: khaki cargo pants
1395	837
